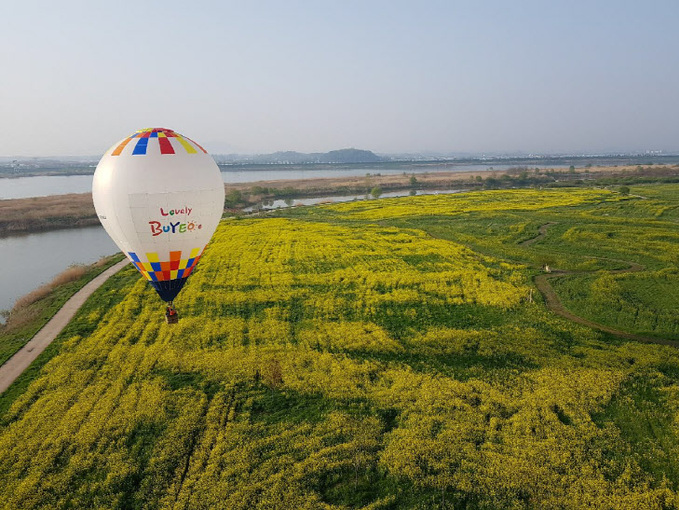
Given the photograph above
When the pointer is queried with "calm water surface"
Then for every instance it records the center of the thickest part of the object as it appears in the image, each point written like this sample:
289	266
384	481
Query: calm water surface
32	260
47	185
44	185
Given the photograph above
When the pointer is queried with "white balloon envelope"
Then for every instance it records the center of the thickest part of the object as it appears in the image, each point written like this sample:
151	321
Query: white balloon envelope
160	196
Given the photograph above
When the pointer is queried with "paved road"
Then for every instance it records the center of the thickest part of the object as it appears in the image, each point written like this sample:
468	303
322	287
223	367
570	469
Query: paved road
14	366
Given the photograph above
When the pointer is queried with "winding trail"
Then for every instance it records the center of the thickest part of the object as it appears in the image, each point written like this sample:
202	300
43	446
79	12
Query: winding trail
555	305
542	232
14	366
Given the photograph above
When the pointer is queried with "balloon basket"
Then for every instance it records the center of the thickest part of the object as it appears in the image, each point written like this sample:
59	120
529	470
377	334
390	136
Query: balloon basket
171	315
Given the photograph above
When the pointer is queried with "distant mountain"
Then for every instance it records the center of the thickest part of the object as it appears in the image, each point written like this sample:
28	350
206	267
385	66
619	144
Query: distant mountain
300	158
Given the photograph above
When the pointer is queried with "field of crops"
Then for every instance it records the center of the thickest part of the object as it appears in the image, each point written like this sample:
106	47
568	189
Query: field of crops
376	354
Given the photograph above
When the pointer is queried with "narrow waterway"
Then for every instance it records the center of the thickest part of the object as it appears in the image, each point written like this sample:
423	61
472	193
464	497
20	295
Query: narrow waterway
281	203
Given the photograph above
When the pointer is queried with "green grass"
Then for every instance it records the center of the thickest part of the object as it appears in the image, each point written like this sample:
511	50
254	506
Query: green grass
645	303
644	413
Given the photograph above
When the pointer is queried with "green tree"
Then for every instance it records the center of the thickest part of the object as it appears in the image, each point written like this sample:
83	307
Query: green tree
376	192
233	198
259	190
491	183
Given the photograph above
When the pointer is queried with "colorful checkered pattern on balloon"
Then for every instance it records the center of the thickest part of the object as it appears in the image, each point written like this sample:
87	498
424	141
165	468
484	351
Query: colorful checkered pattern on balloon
177	267
162	137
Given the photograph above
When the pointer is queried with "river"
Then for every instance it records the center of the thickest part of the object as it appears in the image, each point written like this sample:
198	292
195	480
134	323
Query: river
46	185
31	260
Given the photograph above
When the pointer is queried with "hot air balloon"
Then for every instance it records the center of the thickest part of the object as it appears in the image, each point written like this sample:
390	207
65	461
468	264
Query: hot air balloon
159	196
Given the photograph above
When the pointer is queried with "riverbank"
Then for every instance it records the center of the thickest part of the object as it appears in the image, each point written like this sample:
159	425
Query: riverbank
22	359
39	214
31	319
32	311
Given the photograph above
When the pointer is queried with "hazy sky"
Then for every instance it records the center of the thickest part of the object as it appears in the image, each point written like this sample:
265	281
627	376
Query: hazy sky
389	76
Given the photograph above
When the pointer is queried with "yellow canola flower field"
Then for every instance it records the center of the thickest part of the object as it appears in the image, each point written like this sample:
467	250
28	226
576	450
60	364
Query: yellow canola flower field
332	365
479	201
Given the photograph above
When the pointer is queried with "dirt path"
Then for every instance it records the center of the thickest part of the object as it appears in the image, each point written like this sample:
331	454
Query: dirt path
14	366
555	305
542	232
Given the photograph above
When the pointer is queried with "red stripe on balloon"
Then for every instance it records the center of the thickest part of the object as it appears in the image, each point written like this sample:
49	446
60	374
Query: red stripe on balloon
165	145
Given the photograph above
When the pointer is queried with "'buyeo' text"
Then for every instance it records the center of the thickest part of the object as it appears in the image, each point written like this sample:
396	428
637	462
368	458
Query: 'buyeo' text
178	227
174	227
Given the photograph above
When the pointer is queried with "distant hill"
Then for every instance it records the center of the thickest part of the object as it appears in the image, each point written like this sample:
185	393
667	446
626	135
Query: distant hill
297	158
350	156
